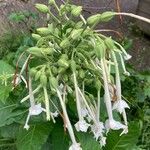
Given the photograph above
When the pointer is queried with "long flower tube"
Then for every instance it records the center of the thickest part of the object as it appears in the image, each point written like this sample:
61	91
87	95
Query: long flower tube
87	106
77	97
120	105
35	109
81	125
28	96
123	66
106	89
68	124
47	105
127	56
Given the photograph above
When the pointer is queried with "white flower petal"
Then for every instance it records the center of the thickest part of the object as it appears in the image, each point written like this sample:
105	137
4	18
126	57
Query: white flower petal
82	125
125	131
114	125
55	114
84	112
75	146
120	105
97	130
127	57
126	73
35	110
102	141
26	126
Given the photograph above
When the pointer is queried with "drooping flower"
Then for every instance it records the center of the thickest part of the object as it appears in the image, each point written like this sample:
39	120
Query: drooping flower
120	105
55	114
75	146
34	110
82	125
127	57
98	130
102	141
114	125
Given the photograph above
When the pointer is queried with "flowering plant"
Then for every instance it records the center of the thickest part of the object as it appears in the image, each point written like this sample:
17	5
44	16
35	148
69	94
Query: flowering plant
69	58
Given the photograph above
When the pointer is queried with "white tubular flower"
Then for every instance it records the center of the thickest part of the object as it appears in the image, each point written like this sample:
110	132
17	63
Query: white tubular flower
125	131
102	141
114	125
55	114
127	57
84	112
75	146
34	110
120	105
82	126
126	73
97	130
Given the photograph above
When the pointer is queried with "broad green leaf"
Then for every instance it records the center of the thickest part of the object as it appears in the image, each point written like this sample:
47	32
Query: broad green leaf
34	138
9	131
4	92
88	142
124	142
5	111
5	68
59	137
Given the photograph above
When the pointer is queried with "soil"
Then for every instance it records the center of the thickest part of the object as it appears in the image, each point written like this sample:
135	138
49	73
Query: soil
141	43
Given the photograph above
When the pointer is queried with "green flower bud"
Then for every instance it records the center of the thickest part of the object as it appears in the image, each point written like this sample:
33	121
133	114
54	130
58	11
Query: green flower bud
79	25
64	56
109	43
76	11
36	36
81	74
43	31
94	19
53	82
98	84
42	8
73	65
65	78
61	70
32	72
35	51
54	70
51	2
43	80
51	27
76	33
47	51
37	75
107	16
63	63
65	43
40	52
100	49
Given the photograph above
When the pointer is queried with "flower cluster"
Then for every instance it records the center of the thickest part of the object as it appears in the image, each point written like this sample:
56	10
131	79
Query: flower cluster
72	58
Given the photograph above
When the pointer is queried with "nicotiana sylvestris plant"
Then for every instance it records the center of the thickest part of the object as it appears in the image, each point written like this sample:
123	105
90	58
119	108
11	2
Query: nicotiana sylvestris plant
68	54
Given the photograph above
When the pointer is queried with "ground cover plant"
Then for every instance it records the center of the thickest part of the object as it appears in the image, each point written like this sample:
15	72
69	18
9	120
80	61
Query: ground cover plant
66	87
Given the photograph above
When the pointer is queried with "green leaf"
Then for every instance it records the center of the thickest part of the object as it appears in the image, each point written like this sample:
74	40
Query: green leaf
4	92
5	111
124	142
5	68
34	138
88	142
9	131
59	137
